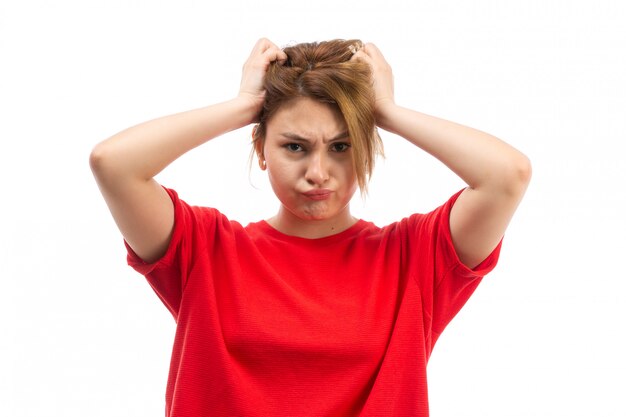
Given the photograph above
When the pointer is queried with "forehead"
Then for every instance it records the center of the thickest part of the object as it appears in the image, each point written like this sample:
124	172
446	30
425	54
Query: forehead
308	118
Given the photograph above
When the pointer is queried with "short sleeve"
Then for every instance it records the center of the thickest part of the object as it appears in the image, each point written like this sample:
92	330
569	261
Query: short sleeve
445	282
168	275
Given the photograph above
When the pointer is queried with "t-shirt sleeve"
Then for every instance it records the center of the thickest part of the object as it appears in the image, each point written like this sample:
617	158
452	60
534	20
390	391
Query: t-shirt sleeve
445	282
168	275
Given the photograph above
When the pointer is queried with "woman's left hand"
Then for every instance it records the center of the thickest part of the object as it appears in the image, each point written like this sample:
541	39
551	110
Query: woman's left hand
382	76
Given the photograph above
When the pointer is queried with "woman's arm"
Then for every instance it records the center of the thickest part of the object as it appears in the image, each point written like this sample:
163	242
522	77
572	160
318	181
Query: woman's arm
125	164
497	174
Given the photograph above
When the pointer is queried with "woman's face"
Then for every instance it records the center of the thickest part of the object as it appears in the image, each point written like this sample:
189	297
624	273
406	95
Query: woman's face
309	163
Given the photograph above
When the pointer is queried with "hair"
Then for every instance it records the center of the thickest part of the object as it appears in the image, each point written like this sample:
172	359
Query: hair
324	71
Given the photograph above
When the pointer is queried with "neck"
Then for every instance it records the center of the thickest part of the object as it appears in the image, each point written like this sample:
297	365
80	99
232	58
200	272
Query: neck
289	224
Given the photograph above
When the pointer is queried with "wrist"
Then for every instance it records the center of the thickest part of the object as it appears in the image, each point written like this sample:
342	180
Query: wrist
248	109
250	106
385	110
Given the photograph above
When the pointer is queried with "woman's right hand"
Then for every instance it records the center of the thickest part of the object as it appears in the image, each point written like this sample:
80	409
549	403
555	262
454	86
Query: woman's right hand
254	69
125	164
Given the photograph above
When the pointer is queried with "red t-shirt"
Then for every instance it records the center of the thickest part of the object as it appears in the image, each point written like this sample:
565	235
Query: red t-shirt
275	325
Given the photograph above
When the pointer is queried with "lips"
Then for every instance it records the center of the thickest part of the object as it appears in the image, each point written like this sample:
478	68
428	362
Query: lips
321	194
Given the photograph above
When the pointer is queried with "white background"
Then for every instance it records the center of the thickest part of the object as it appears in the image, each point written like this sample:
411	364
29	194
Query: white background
82	334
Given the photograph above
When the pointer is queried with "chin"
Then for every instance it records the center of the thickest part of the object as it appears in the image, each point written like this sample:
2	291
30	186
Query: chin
314	216
317	212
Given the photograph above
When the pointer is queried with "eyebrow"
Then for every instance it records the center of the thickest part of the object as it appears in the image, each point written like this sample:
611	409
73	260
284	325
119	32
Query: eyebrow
298	138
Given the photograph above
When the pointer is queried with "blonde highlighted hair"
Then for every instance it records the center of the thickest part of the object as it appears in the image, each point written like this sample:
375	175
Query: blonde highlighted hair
324	71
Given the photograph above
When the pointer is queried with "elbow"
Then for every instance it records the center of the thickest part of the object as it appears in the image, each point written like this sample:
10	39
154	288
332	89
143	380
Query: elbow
105	163
98	159
523	170
112	164
518	174
510	176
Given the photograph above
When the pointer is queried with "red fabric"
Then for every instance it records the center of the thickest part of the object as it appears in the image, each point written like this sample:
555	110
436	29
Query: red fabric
273	325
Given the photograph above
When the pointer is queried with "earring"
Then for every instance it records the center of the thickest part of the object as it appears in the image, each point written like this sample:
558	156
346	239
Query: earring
262	164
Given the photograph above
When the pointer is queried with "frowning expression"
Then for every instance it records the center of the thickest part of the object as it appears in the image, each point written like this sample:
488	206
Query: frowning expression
308	157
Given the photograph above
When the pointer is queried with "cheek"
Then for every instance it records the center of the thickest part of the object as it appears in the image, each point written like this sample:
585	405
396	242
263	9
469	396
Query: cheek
282	167
351	180
277	170
281	176
348	172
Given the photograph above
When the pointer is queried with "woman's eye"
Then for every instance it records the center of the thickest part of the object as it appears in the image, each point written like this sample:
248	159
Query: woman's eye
294	147
340	147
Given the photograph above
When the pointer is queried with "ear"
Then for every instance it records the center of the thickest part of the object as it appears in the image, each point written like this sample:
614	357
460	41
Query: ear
254	129
258	148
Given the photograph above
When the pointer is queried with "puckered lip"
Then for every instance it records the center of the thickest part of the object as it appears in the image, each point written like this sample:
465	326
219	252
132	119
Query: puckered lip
318	193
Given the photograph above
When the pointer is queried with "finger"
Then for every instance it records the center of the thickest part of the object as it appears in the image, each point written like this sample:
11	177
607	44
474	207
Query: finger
278	55
262	45
375	58
275	54
373	52
360	54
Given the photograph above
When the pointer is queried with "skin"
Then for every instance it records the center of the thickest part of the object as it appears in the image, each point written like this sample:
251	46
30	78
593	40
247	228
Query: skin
124	165
308	159
496	173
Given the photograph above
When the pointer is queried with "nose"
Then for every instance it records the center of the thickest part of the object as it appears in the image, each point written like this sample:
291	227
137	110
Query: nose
317	169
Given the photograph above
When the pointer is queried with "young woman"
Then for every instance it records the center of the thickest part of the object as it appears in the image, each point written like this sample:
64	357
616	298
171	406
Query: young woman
311	312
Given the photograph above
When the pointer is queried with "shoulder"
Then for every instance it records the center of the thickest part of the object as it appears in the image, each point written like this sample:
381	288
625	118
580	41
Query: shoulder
424	224
200	223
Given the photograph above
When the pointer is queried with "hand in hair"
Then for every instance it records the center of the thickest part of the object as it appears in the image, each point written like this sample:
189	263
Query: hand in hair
496	174
254	69
381	73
